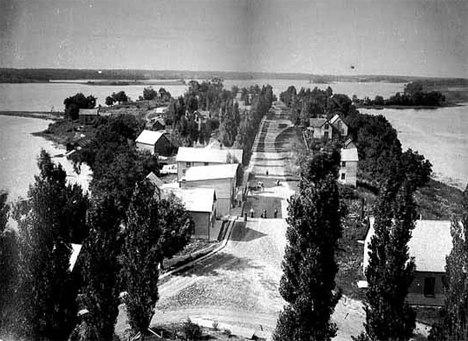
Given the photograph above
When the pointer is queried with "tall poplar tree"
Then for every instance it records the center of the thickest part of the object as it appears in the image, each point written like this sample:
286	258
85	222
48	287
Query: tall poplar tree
308	282
454	326
46	290
101	270
391	270
140	257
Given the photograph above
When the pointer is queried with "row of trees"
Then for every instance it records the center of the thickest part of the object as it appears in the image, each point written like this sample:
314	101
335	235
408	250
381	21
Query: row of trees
126	231
413	95
236	128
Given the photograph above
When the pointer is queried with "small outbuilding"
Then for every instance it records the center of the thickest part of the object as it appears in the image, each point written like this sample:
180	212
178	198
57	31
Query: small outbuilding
200	203
223	178
155	142
340	126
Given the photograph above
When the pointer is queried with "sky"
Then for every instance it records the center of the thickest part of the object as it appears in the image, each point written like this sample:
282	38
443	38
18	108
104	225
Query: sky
394	37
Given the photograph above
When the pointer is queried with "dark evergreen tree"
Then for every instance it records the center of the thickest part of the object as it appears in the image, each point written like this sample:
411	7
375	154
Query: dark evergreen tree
390	269
46	288
308	282
454	326
101	270
141	255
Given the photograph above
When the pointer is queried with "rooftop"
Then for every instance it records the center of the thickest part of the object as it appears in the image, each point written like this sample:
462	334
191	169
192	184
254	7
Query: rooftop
149	137
430	243
188	154
335	118
349	154
211	172
154	180
317	122
89	112
195	200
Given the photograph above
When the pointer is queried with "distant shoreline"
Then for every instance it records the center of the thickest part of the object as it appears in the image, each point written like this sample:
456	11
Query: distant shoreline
44	115
404	107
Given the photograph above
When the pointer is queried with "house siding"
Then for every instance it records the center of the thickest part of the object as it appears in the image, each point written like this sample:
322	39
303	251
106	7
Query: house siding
224	189
182	167
202	224
416	291
350	171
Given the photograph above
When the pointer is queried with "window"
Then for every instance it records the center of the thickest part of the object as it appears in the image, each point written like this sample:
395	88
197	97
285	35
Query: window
429	286
326	135
326	126
343	163
343	176
188	164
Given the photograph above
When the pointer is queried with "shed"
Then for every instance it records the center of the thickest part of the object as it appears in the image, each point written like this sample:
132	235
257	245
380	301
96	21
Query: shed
223	178
200	204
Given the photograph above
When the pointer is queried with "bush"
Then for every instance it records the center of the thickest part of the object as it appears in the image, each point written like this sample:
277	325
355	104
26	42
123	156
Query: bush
192	331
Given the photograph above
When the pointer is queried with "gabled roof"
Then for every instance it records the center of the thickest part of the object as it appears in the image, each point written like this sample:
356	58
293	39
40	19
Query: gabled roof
223	171
195	200
149	137
317	122
151	177
348	142
89	112
349	154
336	118
430	244
188	154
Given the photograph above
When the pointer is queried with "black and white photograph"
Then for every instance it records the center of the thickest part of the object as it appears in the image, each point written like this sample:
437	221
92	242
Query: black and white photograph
276	170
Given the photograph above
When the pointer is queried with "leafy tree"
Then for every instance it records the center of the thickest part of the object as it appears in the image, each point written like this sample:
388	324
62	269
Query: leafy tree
8	267
415	168
309	265
73	104
390	269
140	256
413	88
234	90
176	226
149	93
454	325
46	289
101	270
110	100
120	97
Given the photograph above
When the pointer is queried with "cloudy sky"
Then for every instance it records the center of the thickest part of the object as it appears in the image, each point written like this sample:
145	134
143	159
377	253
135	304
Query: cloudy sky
399	37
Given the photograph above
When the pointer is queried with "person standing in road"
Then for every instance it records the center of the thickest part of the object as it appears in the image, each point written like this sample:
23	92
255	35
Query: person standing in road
251	212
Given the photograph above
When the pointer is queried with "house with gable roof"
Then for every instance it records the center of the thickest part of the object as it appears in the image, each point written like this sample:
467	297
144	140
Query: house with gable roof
321	128
88	115
337	122
430	244
156	142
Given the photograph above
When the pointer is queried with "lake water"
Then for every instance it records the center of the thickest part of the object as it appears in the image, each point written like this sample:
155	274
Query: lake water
50	96
439	134
19	151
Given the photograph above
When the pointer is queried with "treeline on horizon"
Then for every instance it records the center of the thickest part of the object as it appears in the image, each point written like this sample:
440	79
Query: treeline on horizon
13	75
